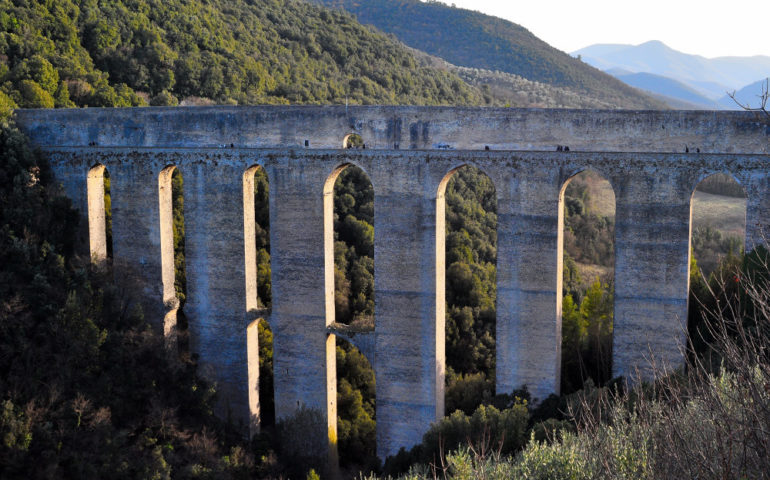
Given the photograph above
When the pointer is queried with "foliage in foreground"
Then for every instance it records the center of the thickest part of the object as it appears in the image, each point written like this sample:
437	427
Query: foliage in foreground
710	422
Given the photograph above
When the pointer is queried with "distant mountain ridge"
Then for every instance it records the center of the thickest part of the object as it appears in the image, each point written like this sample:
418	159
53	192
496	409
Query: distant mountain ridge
746	96
710	77
471	39
674	90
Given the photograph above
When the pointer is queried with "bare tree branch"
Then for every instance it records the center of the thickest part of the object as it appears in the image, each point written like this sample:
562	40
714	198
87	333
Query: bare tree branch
763	99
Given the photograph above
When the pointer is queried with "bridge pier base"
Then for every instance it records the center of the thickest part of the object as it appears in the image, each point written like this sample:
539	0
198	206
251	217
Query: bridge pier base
652	230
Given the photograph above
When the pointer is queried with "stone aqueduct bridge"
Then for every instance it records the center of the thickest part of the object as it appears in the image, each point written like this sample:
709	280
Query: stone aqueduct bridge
410	154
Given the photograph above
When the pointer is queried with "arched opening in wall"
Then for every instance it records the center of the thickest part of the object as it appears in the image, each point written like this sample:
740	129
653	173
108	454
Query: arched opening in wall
256	223
256	231
356	402
717	237
172	244
349	272
99	214
586	253
351	247
353	140
718	221
466	287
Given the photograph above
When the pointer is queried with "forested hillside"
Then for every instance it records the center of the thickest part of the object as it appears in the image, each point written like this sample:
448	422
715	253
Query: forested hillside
472	39
137	52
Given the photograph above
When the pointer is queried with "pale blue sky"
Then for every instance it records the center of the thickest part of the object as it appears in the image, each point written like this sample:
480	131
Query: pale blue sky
706	27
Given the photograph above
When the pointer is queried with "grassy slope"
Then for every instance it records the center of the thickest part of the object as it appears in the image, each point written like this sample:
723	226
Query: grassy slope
726	214
720	212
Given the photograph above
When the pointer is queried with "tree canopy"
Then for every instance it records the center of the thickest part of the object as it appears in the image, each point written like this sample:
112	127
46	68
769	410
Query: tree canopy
138	52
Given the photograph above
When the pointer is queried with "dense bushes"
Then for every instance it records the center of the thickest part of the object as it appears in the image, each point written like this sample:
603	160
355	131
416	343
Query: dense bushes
503	430
354	248
587	338
87	388
471	279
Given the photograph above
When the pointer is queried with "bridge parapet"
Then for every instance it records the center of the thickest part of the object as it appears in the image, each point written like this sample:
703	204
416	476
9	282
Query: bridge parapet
400	127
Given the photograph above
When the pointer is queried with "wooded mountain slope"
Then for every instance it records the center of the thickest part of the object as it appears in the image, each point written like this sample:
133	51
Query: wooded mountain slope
472	39
133	52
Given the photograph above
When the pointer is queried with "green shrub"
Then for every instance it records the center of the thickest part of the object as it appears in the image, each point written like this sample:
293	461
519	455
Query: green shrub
164	99
467	391
34	96
563	460
468	464
500	430
6	108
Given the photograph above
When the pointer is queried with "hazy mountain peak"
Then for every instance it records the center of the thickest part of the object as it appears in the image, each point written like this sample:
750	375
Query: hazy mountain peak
710	77
655	44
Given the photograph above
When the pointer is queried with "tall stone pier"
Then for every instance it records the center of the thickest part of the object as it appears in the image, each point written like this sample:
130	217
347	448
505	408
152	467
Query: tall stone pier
410	154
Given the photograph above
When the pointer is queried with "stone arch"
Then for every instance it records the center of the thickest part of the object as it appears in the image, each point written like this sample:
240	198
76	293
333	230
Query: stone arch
171	301
442	285
717	209
329	234
596	361
251	228
353	140
329	295
255	193
97	215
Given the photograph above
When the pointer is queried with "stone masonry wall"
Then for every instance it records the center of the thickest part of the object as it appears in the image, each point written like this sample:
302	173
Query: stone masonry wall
640	153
